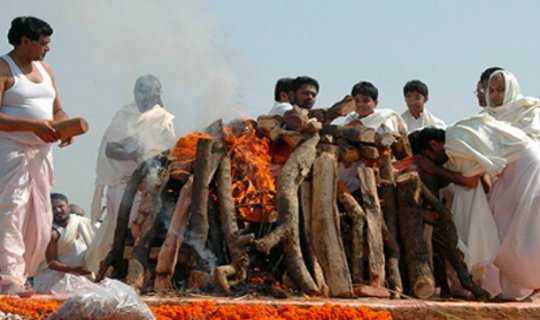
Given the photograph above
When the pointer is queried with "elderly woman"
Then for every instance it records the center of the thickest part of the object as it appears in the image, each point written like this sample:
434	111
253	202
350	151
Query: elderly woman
506	103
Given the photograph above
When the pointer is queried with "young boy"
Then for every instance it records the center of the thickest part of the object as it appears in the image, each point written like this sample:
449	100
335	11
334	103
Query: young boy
417	116
365	95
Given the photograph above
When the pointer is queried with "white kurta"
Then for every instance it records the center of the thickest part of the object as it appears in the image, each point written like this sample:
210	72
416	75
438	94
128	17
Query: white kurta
26	177
426	119
480	145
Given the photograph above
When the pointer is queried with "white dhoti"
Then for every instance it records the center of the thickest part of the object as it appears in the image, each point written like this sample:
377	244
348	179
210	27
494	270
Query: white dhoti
26	177
515	202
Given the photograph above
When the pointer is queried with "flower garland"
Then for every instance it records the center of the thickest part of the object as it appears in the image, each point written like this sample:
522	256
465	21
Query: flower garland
208	310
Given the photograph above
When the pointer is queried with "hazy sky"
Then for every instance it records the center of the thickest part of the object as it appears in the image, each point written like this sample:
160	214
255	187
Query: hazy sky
222	58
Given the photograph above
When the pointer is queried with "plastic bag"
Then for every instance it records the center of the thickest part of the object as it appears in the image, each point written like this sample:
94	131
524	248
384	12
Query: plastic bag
109	299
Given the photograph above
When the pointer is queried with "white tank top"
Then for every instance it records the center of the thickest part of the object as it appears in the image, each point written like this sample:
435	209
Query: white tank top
26	99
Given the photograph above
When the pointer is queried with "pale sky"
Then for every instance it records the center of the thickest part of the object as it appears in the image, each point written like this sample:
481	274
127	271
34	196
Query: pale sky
222	58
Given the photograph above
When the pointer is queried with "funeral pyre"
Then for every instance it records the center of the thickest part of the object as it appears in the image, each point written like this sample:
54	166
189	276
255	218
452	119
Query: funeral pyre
256	206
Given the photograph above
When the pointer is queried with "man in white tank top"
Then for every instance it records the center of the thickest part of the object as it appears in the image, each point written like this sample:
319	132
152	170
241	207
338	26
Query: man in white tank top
29	104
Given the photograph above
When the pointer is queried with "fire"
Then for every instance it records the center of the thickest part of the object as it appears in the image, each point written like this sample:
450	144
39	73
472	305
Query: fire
253	187
183	155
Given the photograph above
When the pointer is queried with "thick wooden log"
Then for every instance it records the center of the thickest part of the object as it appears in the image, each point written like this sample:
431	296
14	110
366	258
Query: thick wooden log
293	173
325	221
237	243
296	118
309	254
401	148
411	225
339	109
206	163
370	204
347	152
269	126
115	257
445	234
387	194
168	255
312	126
355	211
356	133
369	152
292	138
151	207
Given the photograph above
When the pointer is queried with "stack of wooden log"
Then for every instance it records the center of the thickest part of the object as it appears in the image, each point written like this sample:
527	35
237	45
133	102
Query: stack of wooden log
379	240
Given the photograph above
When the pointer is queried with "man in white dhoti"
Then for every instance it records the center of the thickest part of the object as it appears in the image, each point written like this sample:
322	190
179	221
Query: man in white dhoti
417	115
506	103
70	237
365	95
29	104
138	132
482	145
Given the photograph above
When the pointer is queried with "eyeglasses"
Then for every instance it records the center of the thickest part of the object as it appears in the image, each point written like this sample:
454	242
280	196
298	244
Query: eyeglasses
478	91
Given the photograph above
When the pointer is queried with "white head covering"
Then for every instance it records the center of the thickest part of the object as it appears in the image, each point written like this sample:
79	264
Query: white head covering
512	90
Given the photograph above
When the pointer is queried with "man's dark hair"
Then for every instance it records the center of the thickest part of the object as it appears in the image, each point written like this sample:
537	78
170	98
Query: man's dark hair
365	88
283	85
485	75
31	27
416	86
298	82
419	139
59	196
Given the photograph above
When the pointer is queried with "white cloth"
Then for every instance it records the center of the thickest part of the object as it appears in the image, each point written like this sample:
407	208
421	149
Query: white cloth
477	231
425	119
29	100
151	133
26	177
72	247
280	108
515	203
383	120
522	112
479	145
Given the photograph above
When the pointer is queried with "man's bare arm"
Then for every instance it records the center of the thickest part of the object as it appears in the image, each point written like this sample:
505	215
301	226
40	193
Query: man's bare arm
432	168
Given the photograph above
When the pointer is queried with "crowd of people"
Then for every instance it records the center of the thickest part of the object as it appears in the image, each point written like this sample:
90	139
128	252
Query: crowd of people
491	161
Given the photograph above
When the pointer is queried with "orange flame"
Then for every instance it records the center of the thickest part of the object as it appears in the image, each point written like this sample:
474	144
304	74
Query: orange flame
183	155
253	186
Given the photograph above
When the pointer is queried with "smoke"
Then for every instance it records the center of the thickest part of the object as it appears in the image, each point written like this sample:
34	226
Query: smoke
178	41
100	47
206	255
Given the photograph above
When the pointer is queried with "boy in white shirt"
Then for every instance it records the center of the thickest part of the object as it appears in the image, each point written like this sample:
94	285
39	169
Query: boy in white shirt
417	116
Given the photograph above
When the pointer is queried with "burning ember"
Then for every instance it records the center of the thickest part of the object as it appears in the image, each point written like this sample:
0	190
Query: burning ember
254	187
